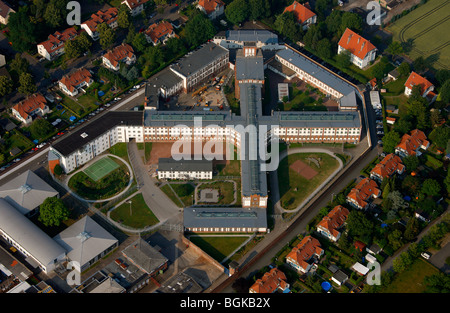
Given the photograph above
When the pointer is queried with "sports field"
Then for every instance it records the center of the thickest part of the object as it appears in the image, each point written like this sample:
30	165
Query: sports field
101	168
425	29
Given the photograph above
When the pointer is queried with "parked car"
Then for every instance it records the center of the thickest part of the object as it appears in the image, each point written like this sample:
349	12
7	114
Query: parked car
426	255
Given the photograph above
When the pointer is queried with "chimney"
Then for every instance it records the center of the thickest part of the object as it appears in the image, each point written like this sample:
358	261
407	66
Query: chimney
349	38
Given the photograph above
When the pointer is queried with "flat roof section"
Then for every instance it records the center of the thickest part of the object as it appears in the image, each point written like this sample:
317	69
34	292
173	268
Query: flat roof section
172	165
252	35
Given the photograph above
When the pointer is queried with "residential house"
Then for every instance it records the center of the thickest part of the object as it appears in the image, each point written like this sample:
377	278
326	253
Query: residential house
302	13
411	144
329	226
159	32
426	87
339	277
212	8
270	282
136	6
305	254
359	245
26	110
362	51
53	47
71	83
123	53
363	191
390	165
5	11
108	16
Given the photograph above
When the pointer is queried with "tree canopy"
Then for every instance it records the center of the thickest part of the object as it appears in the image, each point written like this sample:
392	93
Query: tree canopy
53	211
237	11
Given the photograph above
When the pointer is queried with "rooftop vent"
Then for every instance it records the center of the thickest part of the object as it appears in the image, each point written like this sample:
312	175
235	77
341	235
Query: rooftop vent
84	135
83	236
24	188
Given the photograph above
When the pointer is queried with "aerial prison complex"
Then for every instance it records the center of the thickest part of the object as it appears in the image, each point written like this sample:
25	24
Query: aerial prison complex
249	53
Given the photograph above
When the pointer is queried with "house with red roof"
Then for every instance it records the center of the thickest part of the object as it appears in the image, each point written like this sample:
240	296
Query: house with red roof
123	53
212	8
108	16
390	165
159	32
362	51
271	282
331	223
5	11
26	110
303	13
305	254
365	190
426	87
71	83
411	144
136	6
53	47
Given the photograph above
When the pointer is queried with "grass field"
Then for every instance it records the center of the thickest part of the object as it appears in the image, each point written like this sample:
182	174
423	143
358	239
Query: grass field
101	168
138	216
426	29
294	188
218	247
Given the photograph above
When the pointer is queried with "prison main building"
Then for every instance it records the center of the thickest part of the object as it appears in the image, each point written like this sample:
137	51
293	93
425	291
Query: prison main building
249	53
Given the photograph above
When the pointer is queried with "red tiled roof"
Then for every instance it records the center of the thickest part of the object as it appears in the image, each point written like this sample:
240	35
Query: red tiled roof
210	5
119	53
308	247
363	191
270	282
156	31
410	143
388	166
5	9
30	104
356	44
108	16
334	220
57	40
415	79
71	81
134	3
359	245
301	12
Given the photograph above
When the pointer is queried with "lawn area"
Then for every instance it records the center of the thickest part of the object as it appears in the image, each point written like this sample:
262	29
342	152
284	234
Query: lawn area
184	192
294	187
226	191
172	196
303	100
424	29
139	216
218	247
231	168
411	280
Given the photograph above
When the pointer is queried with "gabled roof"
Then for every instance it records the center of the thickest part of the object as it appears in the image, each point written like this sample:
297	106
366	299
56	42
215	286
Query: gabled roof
119	53
71	81
388	166
5	9
103	16
301	12
270	282
26	192
356	44
57	40
157	31
143	255
30	104
365	189
415	79
334	220
410	143
210	5
307	248
134	3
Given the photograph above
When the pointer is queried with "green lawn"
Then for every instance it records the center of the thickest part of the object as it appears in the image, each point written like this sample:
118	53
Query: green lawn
302	100
226	190
172	196
185	192
218	247
231	168
426	27
411	280
139	216
289	180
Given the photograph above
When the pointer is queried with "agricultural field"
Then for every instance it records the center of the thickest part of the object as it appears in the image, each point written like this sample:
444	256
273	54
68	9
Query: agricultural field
425	31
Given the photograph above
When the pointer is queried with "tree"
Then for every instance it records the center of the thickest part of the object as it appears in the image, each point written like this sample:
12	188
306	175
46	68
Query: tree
286	24
324	48
107	35
412	229
52	212
404	69
343	59
40	128
444	92
395	239
431	187
53	15
411	163
123	17
131	33
259	9
447	181
420	64
22	33
6	86
395	48
58	170
397	201
442	76
437	283
139	42
402	262
352	21
198	30
312	36
359	225
19	65
390	141
27	85
440	136
237	11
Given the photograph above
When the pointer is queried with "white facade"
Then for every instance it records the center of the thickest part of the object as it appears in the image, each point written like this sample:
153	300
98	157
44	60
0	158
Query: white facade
189	175
361	63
